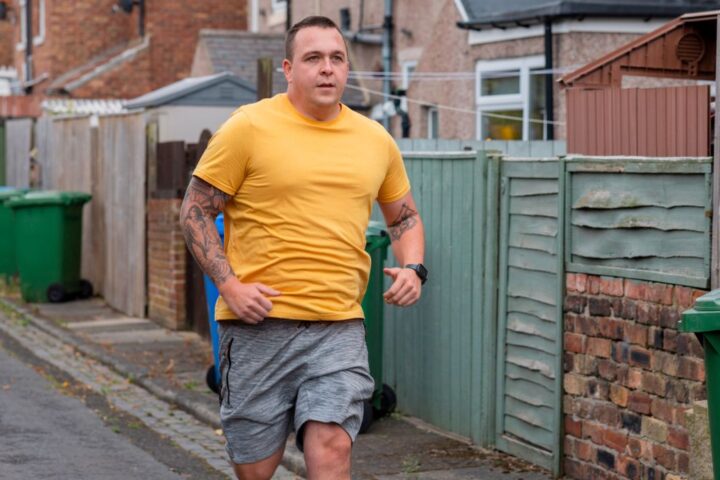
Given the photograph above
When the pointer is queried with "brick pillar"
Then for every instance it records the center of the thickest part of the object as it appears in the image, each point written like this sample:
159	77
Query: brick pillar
629	378
166	263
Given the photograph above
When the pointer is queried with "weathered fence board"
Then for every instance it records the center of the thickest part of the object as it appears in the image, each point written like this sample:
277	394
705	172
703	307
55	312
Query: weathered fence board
528	387
18	138
66	163
537	148
121	149
640	219
434	351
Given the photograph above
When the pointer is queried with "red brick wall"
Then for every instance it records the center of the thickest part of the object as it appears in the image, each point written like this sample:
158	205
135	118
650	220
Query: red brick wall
7	44
80	30
629	376
166	263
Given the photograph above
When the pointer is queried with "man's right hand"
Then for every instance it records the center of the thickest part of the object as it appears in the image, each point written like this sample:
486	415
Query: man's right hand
248	301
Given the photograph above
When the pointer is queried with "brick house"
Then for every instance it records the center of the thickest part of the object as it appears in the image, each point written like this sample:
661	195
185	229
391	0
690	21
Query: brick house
480	66
96	49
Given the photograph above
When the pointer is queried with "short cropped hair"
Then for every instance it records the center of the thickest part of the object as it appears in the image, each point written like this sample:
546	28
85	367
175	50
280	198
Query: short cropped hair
313	21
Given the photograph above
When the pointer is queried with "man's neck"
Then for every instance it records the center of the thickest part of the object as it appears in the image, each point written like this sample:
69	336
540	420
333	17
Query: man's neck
317	114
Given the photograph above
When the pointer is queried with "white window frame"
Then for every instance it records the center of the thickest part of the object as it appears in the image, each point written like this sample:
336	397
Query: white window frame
517	101
430	123
278	5
38	39
405	68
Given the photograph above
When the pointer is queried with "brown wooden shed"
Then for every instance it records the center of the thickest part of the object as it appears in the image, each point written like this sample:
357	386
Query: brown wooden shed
604	119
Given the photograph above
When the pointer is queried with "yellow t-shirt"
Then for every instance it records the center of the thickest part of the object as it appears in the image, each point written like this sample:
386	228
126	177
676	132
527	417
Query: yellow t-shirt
301	196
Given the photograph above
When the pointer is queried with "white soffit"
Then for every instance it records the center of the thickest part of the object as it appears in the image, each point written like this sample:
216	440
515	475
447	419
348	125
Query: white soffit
598	25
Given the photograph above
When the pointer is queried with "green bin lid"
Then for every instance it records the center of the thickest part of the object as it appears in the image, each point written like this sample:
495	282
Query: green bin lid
33	199
8	193
704	316
376	229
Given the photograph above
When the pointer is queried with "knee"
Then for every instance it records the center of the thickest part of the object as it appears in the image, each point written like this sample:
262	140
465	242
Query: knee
326	443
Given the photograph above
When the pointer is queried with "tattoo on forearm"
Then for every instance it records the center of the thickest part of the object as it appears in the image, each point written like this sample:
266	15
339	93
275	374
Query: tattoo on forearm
201	205
405	221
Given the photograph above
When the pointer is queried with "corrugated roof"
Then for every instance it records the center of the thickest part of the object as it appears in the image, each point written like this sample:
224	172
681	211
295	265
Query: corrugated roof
505	13
183	88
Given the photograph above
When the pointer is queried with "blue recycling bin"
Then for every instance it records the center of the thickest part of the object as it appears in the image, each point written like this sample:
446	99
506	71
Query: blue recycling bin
211	296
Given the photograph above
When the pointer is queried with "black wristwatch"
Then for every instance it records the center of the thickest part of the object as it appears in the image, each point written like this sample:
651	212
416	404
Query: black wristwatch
420	270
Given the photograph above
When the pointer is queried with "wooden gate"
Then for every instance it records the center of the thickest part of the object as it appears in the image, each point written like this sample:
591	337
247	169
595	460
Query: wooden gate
530	286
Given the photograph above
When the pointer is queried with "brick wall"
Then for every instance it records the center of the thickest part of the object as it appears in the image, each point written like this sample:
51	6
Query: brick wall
79	31
166	264
629	377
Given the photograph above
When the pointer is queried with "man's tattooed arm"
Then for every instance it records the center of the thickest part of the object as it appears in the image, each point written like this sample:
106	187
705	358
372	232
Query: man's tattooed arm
406	219
202	203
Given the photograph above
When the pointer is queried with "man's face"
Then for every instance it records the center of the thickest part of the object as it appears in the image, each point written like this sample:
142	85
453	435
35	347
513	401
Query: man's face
318	71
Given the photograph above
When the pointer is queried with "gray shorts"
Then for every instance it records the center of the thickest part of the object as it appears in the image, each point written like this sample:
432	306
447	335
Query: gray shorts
279	374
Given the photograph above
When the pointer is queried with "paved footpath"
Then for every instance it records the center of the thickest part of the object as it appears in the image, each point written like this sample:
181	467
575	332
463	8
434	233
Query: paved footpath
185	430
158	375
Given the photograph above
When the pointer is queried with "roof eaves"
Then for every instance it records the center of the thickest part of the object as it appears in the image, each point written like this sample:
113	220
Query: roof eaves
571	77
570	9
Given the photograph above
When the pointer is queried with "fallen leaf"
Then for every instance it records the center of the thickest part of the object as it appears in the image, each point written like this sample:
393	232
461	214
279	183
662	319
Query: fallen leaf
170	366
218	432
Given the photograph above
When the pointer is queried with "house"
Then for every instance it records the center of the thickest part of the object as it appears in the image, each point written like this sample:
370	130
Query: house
480	69
107	48
238	51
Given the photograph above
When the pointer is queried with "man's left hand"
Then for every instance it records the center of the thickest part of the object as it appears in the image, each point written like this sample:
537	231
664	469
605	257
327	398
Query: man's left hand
405	289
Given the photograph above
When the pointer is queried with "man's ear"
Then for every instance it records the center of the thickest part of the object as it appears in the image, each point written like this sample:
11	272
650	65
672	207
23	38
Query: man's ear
287	69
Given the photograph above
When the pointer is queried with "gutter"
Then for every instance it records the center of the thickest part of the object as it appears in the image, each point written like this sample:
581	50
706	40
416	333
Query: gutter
28	46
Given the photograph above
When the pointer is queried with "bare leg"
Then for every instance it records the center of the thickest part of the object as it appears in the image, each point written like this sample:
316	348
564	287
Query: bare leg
327	451
262	470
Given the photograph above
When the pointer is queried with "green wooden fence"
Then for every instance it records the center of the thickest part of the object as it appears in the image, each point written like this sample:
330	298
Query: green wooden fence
640	218
514	148
481	353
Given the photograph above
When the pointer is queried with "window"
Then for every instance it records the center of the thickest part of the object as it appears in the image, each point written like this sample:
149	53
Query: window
279	5
433	122
408	68
510	97
39	13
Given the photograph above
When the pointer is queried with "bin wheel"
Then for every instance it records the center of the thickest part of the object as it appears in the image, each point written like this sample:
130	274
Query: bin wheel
211	381
367	416
388	401
86	289
56	293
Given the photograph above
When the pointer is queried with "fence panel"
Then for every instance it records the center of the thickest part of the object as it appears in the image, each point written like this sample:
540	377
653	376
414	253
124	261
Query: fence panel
18	138
640	218
66	162
530	289
654	122
121	151
437	353
535	148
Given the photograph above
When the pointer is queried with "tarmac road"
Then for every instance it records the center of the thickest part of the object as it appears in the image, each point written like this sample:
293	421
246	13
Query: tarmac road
54	427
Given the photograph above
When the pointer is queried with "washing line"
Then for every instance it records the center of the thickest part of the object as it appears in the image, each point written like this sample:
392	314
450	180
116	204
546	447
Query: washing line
454	109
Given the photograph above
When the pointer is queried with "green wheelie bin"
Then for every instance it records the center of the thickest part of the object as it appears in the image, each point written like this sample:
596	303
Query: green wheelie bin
48	235
8	260
704	321
384	399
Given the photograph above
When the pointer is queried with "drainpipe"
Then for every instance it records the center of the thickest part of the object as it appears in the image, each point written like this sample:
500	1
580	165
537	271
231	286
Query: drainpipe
28	44
288	16
141	19
387	56
549	84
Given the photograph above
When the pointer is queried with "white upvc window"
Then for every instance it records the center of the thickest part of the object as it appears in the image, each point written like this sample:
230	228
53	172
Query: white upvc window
407	68
509	94
40	37
279	5
433	122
